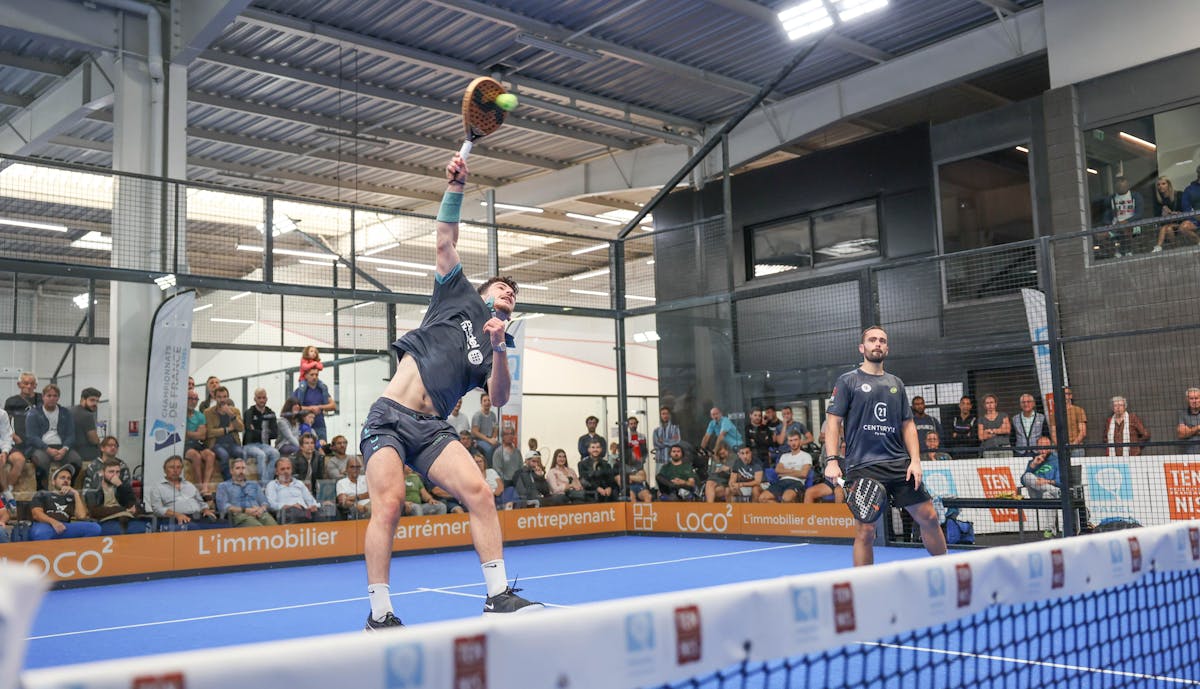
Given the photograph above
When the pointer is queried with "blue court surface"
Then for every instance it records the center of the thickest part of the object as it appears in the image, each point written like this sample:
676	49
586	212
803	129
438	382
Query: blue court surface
178	614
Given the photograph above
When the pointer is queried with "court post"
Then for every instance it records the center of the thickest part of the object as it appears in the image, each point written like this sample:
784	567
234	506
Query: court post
1046	278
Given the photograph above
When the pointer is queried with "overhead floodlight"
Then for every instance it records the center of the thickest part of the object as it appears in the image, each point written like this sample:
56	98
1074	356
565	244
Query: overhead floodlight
202	307
590	274
49	227
239	321
639	298
853	9
380	249
589	249
165	282
81	300
594	218
280	224
239	295
515	207
1137	140
805	19
401	271
589	292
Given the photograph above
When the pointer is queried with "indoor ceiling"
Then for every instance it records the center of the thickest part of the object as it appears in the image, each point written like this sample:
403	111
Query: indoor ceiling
357	100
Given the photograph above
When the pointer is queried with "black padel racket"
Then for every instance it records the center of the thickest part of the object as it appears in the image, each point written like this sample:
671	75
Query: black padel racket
866	498
481	115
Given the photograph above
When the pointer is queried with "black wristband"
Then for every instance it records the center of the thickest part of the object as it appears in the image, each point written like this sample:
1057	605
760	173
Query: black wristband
834	458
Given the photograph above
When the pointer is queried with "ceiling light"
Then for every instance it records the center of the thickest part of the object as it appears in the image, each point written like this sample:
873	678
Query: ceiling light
476	281
1092	171
528	316
853	9
399	271
636	297
324	264
94	240
590	274
806	18
280	224
650	262
50	227
202	307
557	48
537	287
165	282
589	249
288	252
594	218
1185	162
589	292
380	249
515	207
1022	149
639	337
365	303
232	320
239	296
390	262
1135	140
81	300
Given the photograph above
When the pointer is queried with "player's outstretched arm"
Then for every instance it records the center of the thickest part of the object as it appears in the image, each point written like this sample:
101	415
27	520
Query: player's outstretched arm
448	216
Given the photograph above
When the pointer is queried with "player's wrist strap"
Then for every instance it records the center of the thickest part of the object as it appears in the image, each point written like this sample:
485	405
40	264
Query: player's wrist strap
451	208
834	458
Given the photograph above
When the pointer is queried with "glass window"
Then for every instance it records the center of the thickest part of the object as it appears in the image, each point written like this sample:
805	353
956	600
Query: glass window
837	234
986	200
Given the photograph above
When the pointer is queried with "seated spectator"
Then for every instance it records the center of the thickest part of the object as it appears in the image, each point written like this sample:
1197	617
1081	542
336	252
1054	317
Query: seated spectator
308	425
923	422
794	470
532	487
933	450
485	429
787	424
289	428
4	537
417	500
677	479
291	500
336	458
262	427
563	479
352	496
461	422
83	415
492	478
1191	203
1041	474
12	462
50	435
635	474
241	501
18	405
614	454
597	474
60	511
719	468
745	476
994	429
467	440
196	452
1124	431
1168	202
177	500
113	503
307	462
224	423
822	490
93	473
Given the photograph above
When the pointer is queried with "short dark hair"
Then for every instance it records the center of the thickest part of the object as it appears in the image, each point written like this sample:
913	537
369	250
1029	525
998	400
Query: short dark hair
863	337
52	386
918	397
769	407
664	408
592	418
493	280
310	436
89	392
114	462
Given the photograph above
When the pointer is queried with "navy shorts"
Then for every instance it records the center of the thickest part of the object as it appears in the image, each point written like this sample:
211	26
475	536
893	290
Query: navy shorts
418	438
891	475
780	487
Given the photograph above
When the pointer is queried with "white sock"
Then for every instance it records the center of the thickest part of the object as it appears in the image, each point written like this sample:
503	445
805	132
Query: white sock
381	600
495	577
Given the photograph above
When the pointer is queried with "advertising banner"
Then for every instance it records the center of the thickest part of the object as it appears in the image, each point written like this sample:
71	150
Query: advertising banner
165	420
813	521
562	522
510	415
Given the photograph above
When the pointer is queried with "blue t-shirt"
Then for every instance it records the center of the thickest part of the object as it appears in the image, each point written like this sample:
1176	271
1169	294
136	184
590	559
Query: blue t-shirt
873	410
314	397
452	352
733	437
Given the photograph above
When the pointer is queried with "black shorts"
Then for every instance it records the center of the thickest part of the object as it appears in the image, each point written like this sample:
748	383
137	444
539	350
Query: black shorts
780	487
418	438
891	475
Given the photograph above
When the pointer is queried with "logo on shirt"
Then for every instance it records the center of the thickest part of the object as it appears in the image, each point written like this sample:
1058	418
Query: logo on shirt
865	387
893	391
474	356
881	411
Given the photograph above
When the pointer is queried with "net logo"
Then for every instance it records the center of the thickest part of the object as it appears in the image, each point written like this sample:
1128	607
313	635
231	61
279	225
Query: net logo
639	632
1037	567
804	604
470	662
1109	482
935	579
1135	555
404	667
843	608
172	680
688	645
1058	569
1194	536
962	573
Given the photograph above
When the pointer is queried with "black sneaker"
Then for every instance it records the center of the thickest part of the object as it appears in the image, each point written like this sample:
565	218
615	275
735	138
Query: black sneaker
389	620
508	601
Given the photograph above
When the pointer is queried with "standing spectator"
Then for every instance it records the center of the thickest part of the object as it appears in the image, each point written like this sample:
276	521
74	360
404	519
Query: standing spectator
352	495
746	476
1123	206
310	358
775	425
241	501
112	504
506	460
50	434
636	442
1076	425
12	462
933	449
677	479
721	431
1124	431
417	500
563	479
666	435
963	433
1041	475
458	420
289	429
336	458
224	424
83	415
315	397
177	500
290	499
994	429
596	473
196	452
787	424
1188	429
4	537
60	511
210	387
924	423
1028	426
758	437
484	427
586	439
262	428
1168	202
19	404
794	470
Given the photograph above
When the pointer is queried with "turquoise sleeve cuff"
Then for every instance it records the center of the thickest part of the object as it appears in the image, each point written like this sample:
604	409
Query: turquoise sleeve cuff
451	207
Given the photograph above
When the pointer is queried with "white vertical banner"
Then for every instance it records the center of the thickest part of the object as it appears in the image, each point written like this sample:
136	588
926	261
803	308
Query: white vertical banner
510	415
165	422
21	589
1035	313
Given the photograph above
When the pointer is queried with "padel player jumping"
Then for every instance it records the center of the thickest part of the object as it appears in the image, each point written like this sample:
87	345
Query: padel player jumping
459	346
881	444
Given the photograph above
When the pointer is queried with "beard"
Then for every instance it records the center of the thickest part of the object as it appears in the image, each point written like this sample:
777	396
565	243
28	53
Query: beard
874	356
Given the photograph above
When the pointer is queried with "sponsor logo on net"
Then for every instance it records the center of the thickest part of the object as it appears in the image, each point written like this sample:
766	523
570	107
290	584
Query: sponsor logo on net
935	582
640	643
170	680
470	662
805	613
404	666
70	564
688	646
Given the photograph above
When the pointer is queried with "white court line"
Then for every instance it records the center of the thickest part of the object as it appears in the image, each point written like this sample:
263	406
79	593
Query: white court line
444	589
1022	661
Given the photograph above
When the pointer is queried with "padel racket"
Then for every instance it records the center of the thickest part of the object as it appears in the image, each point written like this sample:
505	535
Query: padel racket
481	115
865	497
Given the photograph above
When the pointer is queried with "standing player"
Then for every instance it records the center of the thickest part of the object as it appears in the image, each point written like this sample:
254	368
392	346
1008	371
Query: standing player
459	346
881	443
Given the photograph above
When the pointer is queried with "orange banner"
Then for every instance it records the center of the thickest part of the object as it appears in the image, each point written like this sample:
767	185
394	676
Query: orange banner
816	521
559	522
1183	489
94	558
998	482
260	545
420	533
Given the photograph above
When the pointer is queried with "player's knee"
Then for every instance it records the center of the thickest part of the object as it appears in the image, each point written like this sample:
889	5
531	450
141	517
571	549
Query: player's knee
476	495
865	532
